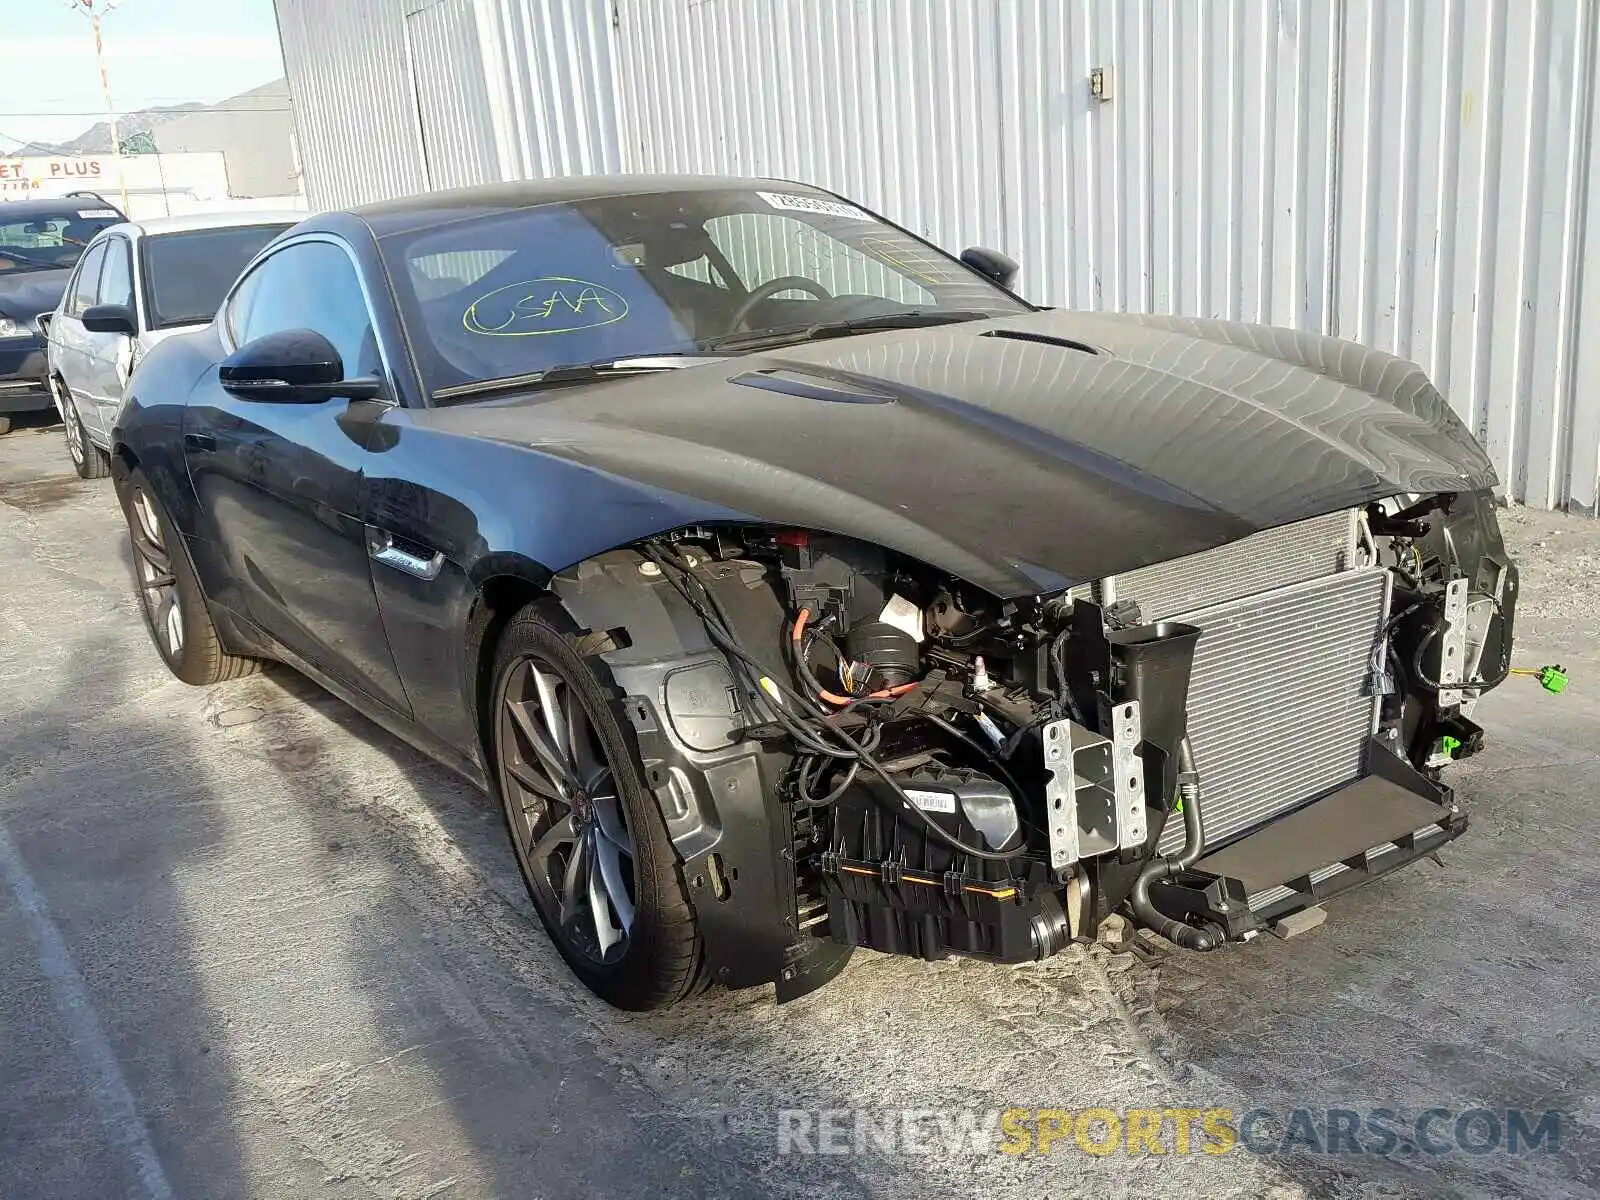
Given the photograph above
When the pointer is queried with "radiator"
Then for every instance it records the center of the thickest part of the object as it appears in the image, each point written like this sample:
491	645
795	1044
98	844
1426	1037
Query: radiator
1280	700
1270	559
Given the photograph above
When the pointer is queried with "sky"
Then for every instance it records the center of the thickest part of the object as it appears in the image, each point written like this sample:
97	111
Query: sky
157	52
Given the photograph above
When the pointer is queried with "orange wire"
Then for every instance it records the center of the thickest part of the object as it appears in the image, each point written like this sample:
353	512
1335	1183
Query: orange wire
830	697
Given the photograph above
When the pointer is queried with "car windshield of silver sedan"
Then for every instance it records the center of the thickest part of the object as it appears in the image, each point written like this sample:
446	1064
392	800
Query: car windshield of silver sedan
512	296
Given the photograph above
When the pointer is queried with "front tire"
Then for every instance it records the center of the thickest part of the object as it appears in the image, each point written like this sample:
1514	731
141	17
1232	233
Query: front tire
88	460
174	607
587	833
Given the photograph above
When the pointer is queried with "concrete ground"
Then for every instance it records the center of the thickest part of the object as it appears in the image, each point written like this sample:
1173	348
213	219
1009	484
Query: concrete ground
255	947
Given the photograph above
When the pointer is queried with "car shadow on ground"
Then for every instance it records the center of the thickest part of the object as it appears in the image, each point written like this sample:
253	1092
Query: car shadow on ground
1458	984
398	1020
542	1032
83	802
1376	1010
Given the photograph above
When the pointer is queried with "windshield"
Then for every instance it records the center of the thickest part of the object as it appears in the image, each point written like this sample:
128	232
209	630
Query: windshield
187	274
517	293
49	241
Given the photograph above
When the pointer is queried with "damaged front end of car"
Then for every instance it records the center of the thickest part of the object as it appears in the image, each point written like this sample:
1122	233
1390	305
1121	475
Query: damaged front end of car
852	748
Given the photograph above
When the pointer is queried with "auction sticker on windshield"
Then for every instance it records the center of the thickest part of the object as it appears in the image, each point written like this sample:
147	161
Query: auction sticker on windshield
814	204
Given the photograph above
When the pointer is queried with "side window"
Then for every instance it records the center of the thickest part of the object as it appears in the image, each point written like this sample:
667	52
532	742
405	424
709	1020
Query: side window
237	307
116	281
88	284
762	247
310	285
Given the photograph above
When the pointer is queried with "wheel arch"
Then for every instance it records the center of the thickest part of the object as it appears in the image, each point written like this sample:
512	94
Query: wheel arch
123	461
717	790
501	590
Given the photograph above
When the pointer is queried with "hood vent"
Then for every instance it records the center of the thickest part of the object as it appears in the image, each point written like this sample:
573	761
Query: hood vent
790	382
1044	339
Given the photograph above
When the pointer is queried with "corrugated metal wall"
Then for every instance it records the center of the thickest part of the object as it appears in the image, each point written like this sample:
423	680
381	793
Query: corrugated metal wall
895	103
552	86
459	136
1413	174
398	96
354	105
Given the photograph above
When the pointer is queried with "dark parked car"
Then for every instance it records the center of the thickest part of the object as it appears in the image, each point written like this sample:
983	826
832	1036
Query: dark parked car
40	242
795	586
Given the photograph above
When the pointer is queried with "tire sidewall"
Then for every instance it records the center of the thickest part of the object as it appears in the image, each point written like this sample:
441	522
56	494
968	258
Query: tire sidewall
542	631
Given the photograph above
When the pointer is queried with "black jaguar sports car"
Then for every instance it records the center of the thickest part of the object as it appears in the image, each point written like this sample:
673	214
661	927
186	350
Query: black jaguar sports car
795	586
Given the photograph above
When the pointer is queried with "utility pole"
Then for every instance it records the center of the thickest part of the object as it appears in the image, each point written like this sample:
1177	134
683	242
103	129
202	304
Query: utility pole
94	10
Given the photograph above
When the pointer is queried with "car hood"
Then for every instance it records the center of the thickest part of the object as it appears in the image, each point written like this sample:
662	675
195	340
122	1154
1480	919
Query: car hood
1024	453
26	294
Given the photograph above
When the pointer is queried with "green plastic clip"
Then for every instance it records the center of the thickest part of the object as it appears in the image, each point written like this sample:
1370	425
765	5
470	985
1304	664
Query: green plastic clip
1449	745
1553	679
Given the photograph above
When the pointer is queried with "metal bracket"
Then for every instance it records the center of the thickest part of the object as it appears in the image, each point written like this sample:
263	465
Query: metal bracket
1480	613
1094	797
1452	644
1126	734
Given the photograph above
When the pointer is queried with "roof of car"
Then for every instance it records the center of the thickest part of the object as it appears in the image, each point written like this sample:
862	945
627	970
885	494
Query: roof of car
387	216
190	222
11	210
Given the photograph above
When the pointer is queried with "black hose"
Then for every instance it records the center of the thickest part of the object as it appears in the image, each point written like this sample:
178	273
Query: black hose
928	822
804	781
750	670
1058	660
1161	867
721	632
978	748
1417	669
1420	674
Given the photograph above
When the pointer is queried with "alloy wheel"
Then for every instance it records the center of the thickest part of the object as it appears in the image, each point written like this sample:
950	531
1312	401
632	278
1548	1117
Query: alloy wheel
158	589
69	413
566	815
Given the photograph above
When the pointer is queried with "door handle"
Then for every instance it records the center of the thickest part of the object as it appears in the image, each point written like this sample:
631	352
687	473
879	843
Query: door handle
201	442
383	549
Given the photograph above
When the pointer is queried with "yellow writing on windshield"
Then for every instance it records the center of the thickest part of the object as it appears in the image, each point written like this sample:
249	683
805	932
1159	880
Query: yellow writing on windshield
545	305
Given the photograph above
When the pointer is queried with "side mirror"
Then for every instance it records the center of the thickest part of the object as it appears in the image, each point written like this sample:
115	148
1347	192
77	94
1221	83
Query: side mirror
991	264
294	366
110	318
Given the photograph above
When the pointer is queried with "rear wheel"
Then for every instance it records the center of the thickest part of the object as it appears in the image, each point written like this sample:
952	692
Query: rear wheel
169	592
588	835
87	459
5	426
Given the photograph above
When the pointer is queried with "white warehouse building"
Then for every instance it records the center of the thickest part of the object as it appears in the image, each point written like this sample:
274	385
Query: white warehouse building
1416	175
